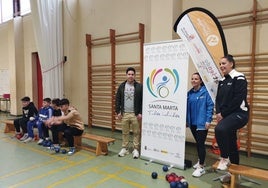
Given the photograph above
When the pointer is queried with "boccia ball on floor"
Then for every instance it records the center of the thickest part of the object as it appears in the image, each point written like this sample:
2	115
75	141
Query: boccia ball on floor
177	178
173	184
185	184
57	150
44	143
171	178
167	175
165	168
180	185
154	175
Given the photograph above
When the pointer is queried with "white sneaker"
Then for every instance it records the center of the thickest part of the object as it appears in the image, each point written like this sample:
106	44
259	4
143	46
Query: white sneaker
196	165
40	141
199	172
123	152
135	154
223	164
29	139
25	136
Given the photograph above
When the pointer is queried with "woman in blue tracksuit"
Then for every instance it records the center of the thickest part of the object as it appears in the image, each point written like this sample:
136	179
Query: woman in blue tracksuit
199	116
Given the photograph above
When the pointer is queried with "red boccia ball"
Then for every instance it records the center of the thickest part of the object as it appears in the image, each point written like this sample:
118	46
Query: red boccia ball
167	175
171	179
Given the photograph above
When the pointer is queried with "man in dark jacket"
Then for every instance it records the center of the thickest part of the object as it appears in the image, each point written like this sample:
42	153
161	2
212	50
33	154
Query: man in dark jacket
28	111
129	110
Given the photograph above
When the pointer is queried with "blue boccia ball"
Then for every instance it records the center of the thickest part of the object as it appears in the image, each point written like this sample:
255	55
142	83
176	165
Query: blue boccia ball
173	184
165	168
44	143
180	185
49	144
63	151
57	150
185	184
154	175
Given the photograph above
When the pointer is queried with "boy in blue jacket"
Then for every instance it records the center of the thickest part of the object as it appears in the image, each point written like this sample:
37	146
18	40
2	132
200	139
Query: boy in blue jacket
44	113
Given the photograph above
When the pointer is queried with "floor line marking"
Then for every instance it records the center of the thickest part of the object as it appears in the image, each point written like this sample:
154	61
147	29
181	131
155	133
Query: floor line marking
69	178
96	170
50	173
46	151
107	175
115	176
28	168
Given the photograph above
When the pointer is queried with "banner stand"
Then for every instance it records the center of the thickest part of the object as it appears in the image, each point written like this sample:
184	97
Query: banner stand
164	103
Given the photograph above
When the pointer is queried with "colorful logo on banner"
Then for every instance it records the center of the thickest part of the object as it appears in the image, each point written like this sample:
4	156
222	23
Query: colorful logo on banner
163	82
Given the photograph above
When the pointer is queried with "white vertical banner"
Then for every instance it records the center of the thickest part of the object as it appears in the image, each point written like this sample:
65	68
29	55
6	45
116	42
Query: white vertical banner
202	60
164	102
206	44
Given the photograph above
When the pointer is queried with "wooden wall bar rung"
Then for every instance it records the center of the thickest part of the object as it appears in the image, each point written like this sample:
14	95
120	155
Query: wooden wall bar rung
101	43
127	34
103	80
103	38
127	39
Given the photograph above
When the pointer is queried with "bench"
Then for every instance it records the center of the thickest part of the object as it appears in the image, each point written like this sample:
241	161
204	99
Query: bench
237	170
101	141
9	126
77	140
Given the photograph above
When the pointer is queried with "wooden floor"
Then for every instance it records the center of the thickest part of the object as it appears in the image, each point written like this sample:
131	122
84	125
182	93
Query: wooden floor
30	165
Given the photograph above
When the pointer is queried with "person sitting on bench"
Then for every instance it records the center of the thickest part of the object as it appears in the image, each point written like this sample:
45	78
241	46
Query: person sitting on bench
28	110
232	111
70	124
55	105
44	113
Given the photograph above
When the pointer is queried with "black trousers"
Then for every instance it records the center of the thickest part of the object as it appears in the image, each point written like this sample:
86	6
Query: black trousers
69	133
226	135
200	138
45	131
21	123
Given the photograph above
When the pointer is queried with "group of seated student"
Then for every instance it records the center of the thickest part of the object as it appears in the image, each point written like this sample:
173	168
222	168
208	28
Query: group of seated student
55	115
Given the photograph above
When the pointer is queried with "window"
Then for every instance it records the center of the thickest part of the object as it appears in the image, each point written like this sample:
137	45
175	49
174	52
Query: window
25	7
13	8
6	10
